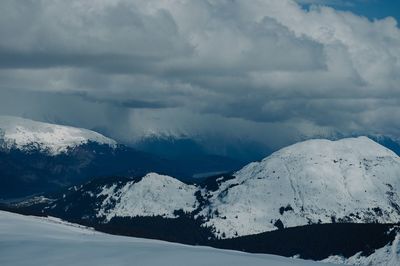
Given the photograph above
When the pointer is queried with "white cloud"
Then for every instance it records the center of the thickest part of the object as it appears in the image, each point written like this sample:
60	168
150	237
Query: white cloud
263	64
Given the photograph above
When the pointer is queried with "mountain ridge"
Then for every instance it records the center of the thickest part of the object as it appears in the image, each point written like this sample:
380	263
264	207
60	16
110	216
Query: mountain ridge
25	134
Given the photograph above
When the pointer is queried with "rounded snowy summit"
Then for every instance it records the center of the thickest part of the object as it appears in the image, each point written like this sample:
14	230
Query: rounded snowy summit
315	181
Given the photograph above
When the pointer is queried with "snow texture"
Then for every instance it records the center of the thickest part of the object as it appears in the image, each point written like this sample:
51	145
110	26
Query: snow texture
386	256
27	241
25	134
316	181
153	195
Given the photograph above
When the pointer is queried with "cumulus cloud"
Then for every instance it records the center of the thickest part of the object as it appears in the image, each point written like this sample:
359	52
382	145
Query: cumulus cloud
267	70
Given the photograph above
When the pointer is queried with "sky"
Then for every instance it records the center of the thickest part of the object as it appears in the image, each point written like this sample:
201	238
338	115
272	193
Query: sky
373	9
267	71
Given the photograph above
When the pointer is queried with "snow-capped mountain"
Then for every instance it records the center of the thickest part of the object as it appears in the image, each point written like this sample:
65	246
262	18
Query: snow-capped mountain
26	134
316	181
153	195
106	199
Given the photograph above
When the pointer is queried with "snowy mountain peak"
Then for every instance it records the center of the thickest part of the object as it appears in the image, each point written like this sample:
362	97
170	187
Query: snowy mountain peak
315	181
25	134
362	146
153	195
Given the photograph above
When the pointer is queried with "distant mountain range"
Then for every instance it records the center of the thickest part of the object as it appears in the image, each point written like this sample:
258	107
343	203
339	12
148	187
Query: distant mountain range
193	147
190	155
342	188
37	157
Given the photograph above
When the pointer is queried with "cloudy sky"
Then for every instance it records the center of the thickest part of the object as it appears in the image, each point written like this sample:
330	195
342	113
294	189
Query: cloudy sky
272	71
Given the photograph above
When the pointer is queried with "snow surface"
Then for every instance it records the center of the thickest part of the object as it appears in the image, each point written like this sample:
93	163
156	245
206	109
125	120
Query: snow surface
27	240
354	179
153	195
54	139
388	256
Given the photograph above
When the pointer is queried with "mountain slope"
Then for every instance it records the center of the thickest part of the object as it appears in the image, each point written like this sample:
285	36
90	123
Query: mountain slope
388	255
389	142
25	134
23	240
316	181
153	195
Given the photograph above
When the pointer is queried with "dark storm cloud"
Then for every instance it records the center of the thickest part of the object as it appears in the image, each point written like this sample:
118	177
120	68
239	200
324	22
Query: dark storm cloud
252	66
127	103
10	59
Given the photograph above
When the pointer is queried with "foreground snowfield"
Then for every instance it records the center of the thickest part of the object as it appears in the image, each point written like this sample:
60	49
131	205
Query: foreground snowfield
26	240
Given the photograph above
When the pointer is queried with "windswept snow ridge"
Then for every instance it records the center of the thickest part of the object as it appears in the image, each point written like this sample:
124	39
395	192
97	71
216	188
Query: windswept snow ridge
25	134
316	181
153	195
36	241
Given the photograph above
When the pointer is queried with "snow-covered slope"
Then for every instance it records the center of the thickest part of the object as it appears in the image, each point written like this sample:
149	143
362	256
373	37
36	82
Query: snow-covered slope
28	241
153	195
389	255
316	181
53	139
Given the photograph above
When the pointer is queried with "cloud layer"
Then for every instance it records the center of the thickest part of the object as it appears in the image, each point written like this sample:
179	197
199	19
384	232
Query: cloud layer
266	70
